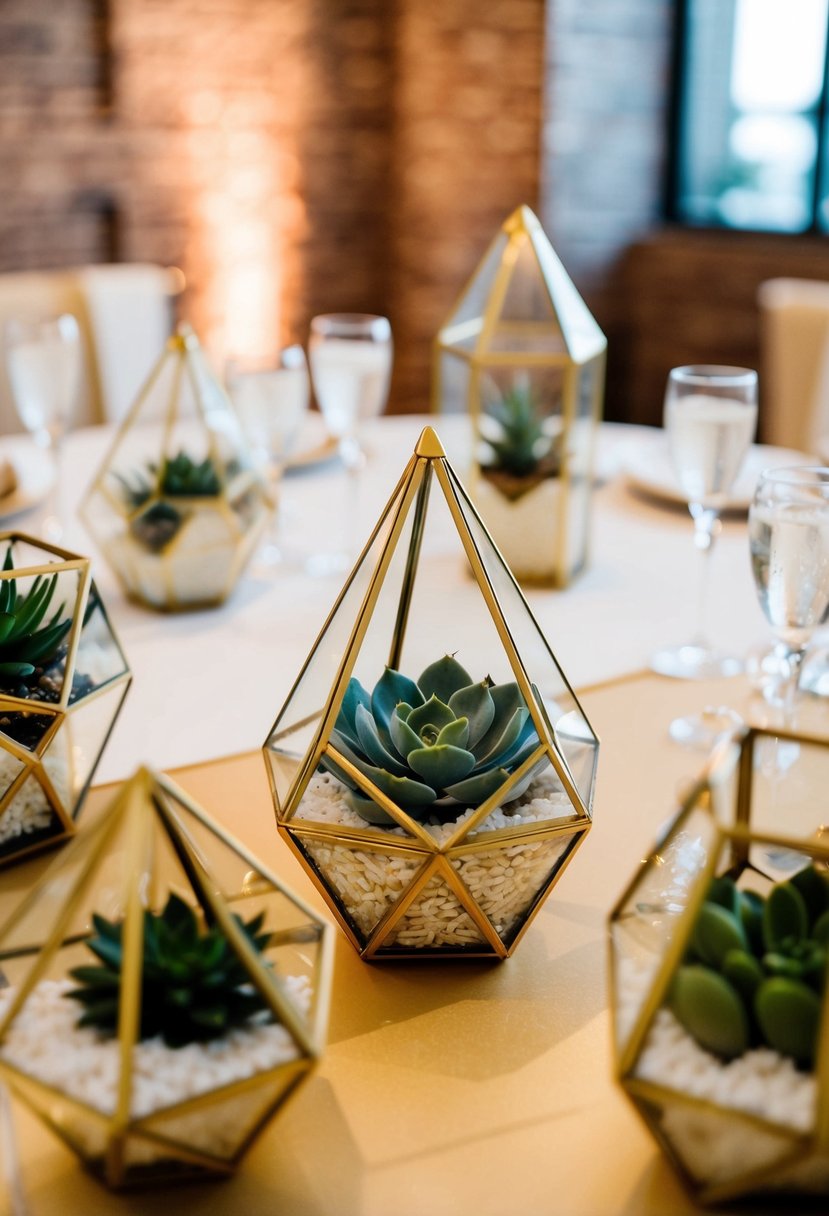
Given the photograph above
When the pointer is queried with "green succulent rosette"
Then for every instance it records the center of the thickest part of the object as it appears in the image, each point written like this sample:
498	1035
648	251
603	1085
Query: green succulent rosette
436	745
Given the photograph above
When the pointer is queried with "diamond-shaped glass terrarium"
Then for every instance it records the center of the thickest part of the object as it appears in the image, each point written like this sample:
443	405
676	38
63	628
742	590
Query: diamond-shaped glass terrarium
165	992
63	679
718	953
522	356
434	792
177	506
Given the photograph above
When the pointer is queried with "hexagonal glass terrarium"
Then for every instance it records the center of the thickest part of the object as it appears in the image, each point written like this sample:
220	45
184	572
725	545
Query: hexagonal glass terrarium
718	958
177	506
63	679
434	787
165	992
522	356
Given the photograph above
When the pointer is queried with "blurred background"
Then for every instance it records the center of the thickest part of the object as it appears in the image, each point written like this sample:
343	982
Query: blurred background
294	157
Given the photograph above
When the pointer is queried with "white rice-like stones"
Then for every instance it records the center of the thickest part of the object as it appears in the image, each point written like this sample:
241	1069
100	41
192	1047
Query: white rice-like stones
45	1042
504	881
761	1082
29	810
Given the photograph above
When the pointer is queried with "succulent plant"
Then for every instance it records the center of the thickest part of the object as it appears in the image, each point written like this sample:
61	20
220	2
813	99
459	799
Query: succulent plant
181	477
434	745
193	986
755	971
520	444
27	639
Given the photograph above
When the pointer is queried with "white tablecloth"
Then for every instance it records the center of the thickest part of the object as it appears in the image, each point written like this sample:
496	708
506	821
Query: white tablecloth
210	683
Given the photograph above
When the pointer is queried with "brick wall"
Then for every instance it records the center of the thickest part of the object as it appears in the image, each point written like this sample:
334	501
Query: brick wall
292	156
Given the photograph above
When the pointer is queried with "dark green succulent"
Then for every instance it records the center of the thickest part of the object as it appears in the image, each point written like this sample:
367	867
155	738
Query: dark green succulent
756	969
520	443
181	477
436	745
27	639
193	985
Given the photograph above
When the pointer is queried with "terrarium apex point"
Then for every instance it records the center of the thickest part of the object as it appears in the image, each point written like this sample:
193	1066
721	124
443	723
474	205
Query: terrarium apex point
429	444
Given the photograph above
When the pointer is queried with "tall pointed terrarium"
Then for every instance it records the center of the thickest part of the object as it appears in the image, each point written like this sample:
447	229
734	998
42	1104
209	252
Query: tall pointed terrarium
63	679
718	953
177	506
432	768
165	992
523	357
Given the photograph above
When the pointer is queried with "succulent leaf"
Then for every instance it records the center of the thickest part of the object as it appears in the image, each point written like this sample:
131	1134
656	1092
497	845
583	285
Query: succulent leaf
390	689
711	1010
443	678
474	703
441	765
789	1016
25	641
784	916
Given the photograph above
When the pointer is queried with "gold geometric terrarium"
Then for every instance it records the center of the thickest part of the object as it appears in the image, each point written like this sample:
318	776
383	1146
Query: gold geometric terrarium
718	954
166	993
431	768
177	506
521	355
63	679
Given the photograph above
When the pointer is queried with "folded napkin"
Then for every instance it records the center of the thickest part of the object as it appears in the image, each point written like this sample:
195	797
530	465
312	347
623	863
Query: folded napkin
131	316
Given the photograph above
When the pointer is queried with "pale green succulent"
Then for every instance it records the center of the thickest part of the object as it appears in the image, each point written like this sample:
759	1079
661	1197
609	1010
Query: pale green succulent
436	745
755	970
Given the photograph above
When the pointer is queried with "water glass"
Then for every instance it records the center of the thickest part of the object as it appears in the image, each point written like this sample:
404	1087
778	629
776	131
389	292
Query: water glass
43	361
271	397
788	526
710	419
351	360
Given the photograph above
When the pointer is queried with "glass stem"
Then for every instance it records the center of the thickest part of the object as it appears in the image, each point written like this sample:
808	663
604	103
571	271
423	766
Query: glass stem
354	460
794	660
707	527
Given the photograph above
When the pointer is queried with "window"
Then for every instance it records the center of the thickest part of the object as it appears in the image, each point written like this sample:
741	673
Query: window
752	146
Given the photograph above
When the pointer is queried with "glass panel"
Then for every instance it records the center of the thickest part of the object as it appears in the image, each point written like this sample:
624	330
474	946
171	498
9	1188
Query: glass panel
435	920
84	1131
652	916
29	817
753	78
73	755
464	323
365	882
218	1128
27	726
714	1146
99	657
506	882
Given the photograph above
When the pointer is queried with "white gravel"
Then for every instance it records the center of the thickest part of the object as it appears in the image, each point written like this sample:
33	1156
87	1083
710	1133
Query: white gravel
45	1043
504	881
29	811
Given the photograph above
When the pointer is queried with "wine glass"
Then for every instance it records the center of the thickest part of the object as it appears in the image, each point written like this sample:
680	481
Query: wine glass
271	397
351	358
710	418
43	360
788	528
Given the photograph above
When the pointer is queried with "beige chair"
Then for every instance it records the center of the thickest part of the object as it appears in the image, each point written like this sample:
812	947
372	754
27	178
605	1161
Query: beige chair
125	313
794	343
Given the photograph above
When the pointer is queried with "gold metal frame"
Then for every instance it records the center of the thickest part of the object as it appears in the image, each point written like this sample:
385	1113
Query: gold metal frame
471	343
432	859
146	809
184	348
728	852
34	761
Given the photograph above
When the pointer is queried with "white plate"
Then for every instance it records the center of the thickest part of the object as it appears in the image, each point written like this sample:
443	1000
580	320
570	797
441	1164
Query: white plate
314	445
647	468
35	473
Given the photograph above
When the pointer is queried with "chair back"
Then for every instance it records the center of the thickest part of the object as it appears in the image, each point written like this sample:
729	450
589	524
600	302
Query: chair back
794	345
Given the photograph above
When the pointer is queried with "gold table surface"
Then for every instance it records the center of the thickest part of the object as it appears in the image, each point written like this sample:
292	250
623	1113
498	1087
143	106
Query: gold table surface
448	1088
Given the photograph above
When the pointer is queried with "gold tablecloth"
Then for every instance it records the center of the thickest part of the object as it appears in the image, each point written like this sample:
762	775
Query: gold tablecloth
448	1088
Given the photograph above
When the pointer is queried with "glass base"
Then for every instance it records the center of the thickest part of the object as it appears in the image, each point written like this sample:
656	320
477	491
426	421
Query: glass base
814	678
694	662
703	731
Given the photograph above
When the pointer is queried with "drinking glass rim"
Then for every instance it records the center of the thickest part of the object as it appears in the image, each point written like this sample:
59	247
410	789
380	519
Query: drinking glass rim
713	374
796	474
352	324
